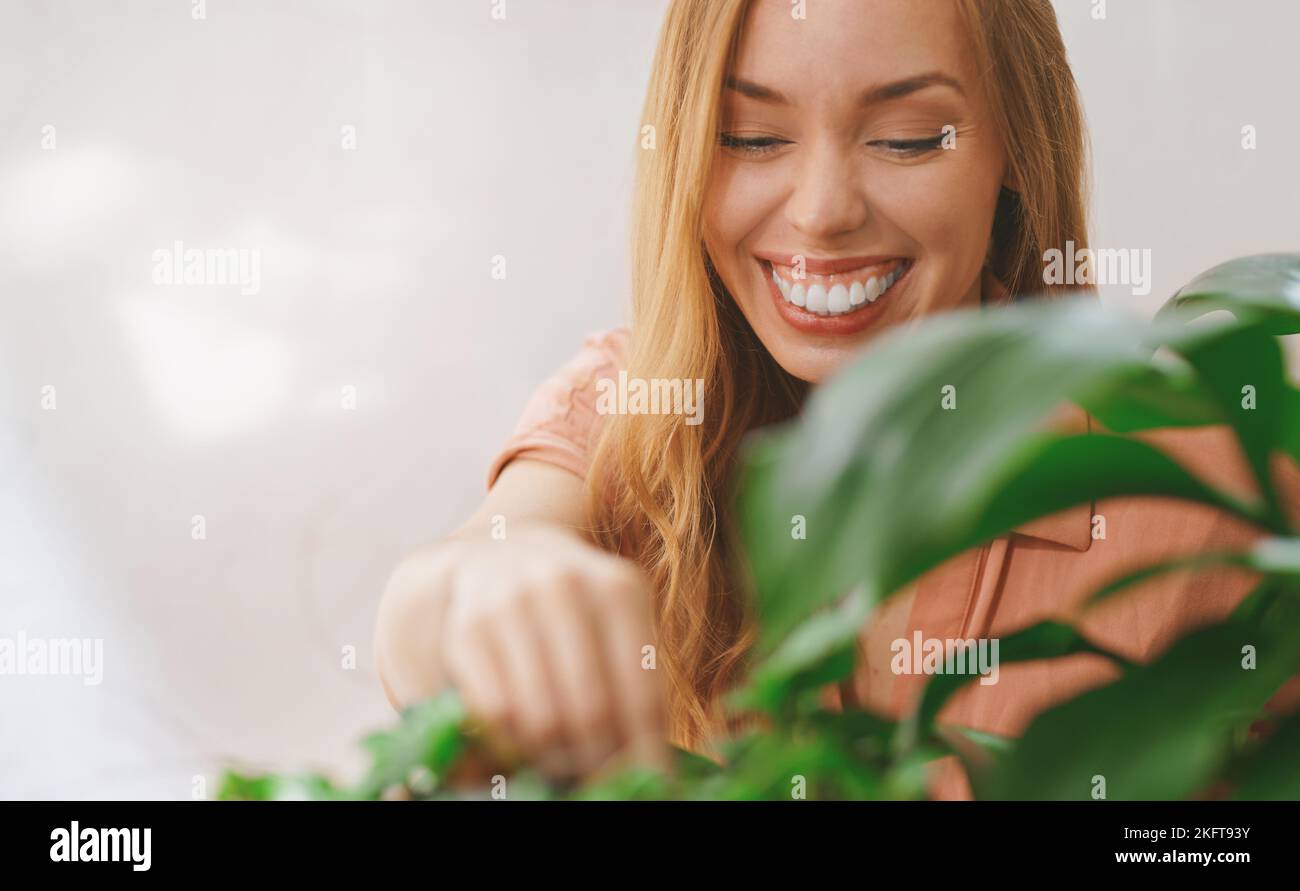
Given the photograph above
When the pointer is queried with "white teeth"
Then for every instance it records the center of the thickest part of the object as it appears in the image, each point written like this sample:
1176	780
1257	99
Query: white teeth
837	301
817	299
781	284
840	298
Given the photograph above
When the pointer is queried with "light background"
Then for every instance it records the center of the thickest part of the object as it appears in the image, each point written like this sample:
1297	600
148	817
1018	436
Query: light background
475	138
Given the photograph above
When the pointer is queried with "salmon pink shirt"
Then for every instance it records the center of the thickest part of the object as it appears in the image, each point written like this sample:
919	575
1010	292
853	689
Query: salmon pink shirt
1041	570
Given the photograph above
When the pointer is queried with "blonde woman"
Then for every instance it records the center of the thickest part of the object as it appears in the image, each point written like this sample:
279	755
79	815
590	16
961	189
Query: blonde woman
816	180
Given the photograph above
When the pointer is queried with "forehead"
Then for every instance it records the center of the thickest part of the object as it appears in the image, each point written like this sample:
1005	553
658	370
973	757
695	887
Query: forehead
842	46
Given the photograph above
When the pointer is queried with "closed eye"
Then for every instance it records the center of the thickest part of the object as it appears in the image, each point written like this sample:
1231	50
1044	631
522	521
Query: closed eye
909	148
750	145
759	145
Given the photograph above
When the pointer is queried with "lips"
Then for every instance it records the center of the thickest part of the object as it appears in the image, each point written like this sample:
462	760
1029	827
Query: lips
833	296
839	293
827	265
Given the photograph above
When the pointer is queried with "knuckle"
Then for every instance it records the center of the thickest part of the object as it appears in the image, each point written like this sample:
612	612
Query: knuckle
610	595
554	578
647	701
543	731
650	712
477	630
492	712
593	713
486	706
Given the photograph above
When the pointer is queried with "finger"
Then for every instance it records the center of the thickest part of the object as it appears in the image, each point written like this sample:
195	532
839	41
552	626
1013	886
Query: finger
640	706
480	680
576	666
532	701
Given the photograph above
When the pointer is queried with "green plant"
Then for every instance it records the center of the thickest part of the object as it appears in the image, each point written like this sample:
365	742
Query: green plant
908	486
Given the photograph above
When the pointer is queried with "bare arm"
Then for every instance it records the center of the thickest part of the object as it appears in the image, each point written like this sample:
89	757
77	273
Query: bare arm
540	631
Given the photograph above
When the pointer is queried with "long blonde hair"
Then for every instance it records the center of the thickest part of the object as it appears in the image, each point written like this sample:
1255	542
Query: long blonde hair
659	486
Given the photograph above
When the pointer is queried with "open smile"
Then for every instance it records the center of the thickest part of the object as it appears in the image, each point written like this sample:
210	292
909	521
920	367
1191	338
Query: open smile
841	296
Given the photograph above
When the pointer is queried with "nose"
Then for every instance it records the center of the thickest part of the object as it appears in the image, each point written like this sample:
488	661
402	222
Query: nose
827	199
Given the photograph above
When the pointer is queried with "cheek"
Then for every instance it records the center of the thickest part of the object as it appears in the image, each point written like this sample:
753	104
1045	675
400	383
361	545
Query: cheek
946	208
739	204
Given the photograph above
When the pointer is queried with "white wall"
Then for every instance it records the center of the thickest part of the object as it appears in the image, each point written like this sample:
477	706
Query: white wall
475	138
1167	87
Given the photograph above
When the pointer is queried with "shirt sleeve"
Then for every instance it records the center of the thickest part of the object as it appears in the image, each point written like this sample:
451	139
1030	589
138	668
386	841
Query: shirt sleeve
560	423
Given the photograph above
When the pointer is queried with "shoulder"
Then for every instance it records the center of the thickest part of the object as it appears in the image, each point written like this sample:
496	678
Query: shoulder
600	351
572	387
559	423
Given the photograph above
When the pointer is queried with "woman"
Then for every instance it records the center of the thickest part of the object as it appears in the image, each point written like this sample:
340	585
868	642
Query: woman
813	180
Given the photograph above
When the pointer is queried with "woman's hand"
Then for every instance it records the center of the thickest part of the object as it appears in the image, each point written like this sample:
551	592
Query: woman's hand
542	633
545	637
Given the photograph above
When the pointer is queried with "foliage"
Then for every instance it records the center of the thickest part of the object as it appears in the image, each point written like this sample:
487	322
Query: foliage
906	486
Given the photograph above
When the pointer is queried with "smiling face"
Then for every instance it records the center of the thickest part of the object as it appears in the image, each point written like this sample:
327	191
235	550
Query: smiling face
835	210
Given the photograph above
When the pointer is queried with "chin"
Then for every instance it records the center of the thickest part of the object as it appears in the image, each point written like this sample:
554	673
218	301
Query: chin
812	364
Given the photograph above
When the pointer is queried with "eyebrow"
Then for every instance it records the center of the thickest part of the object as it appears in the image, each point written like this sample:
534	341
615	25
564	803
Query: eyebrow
883	93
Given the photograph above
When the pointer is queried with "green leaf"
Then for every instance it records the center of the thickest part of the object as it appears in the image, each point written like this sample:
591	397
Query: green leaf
294	787
1263	289
1046	640
1271	772
1054	473
890	482
820	650
1289	435
1164	730
630	784
1168	394
429	737
1262	292
981	755
775	765
1244	370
